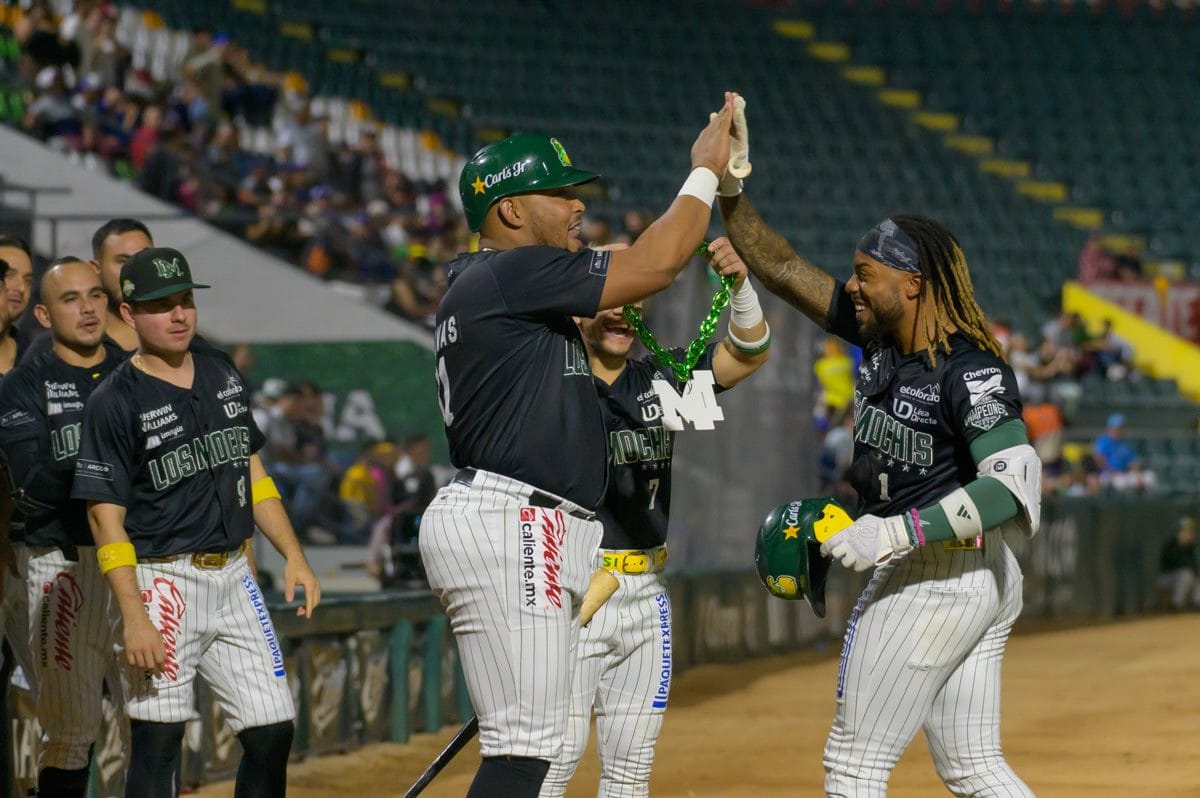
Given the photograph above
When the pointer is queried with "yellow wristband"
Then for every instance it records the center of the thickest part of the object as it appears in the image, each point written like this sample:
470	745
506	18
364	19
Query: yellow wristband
115	555
264	489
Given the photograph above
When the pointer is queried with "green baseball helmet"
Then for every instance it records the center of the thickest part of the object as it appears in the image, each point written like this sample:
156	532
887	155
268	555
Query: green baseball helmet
517	165
787	552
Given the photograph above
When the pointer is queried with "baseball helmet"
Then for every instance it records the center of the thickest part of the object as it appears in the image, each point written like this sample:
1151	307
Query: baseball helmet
516	165
787	552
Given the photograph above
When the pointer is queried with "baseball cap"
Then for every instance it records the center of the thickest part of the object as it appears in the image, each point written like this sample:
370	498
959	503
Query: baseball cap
1116	420
154	273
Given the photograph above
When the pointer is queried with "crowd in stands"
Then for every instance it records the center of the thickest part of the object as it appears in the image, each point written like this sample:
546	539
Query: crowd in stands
336	208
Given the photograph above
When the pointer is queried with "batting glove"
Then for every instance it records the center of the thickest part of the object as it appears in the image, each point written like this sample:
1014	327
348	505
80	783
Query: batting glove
739	152
871	541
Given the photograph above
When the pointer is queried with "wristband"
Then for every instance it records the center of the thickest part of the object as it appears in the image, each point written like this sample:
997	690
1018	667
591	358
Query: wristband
116	555
751	347
744	310
916	524
701	184
264	489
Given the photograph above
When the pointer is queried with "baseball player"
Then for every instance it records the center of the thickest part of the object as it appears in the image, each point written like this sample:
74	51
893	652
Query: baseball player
941	463
70	634
167	464
624	668
510	544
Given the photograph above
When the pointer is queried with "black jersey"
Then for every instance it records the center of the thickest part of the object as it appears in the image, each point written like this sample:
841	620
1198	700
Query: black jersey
513	378
39	344
637	503
914	423
42	402
178	459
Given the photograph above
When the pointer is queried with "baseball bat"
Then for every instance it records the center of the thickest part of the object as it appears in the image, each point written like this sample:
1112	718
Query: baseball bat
600	589
439	763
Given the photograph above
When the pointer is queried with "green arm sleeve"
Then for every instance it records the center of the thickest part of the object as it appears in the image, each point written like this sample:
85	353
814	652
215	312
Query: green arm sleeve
996	505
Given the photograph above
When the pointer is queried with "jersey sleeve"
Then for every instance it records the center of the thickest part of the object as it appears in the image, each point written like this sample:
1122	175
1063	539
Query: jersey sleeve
548	280
257	439
840	319
22	418
982	395
107	447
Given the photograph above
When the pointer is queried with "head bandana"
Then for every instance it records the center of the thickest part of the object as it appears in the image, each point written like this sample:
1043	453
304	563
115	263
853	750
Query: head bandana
891	246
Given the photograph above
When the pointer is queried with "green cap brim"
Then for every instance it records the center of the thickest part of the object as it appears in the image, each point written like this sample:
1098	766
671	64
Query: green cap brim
165	291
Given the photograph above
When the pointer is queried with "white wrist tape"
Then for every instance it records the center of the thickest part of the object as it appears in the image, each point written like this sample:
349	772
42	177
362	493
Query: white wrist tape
962	513
701	184
750	347
744	310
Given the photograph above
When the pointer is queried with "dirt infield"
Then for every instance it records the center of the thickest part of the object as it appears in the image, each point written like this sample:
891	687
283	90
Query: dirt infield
1100	711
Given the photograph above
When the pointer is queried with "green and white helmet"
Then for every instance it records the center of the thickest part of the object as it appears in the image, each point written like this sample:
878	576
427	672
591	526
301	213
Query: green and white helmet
516	165
787	552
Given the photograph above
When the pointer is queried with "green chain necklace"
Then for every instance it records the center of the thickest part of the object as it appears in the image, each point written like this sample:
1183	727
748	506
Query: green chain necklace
683	371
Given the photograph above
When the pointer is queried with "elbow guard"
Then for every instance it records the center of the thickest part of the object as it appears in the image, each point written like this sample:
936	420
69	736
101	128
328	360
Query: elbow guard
1019	469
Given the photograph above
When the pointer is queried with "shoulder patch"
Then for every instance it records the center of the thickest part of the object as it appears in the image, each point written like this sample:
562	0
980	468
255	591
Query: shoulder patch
599	264
986	415
15	418
94	469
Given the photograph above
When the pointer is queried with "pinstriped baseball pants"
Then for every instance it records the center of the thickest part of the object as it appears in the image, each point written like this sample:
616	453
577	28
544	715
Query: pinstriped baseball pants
625	657
511	578
923	649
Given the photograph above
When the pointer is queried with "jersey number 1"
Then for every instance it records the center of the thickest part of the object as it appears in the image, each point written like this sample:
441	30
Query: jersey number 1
443	383
883	493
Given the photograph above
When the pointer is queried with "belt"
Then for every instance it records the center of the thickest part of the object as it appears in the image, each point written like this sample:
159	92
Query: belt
205	560
635	561
535	497
973	544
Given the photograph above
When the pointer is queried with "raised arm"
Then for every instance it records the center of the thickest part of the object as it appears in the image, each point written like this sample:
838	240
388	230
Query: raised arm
661	252
773	261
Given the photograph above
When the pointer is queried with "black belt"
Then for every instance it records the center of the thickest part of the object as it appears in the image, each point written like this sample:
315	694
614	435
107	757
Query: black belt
536	498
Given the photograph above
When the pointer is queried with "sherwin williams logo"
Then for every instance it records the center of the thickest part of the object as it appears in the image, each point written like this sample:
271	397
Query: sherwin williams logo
264	622
563	158
168	268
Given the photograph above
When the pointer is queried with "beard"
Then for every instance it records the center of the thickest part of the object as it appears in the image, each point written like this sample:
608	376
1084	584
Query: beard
879	330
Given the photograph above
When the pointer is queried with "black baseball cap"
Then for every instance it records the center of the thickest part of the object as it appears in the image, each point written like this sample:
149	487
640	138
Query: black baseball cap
154	273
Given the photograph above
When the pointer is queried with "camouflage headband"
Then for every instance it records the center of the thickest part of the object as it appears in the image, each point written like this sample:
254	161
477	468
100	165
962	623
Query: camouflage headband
891	246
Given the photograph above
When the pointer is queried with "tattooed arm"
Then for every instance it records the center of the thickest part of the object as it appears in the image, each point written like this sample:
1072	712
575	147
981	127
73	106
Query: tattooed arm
773	261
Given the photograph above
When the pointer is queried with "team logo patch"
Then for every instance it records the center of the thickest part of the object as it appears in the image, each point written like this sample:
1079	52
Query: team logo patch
563	158
166	607
264	622
93	469
599	264
15	418
986	415
541	559
661	693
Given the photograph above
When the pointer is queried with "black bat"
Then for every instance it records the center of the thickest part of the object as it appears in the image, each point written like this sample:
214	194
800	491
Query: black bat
464	736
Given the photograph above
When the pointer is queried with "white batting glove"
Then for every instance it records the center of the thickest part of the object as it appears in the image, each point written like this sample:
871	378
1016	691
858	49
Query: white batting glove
870	541
739	152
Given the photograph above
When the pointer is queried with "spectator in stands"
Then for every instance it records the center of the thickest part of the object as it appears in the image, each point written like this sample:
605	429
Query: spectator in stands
52	115
1096	262
18	286
1024	363
392	552
1111	355
1129	268
1083	479
1135	479
294	455
636	223
1178	567
837	453
1112	451
1044	423
835	375
597	231
417	290
366	489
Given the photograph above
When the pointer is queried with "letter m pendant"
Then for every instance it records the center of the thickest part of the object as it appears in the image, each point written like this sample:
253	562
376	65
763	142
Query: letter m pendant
697	404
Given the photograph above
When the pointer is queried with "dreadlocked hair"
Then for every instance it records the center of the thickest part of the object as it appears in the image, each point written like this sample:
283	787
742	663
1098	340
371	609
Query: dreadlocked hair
947	284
